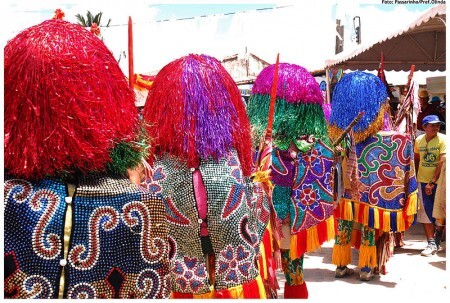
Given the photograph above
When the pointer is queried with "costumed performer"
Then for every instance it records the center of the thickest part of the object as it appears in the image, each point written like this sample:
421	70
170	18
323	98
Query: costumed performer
302	165
380	187
201	140
75	226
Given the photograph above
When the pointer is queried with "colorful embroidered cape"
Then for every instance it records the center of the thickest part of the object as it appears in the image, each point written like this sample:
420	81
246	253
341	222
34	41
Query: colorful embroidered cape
237	216
117	248
387	184
304	192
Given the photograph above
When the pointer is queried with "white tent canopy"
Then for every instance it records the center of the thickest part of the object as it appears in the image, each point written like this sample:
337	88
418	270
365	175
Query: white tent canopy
422	43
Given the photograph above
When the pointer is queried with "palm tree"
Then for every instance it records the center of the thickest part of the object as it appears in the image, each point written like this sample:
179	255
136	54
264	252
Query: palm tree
91	19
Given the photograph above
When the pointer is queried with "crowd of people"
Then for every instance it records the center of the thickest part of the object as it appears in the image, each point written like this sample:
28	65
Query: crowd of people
202	196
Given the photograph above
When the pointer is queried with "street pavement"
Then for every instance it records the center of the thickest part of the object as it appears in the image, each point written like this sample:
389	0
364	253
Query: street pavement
410	277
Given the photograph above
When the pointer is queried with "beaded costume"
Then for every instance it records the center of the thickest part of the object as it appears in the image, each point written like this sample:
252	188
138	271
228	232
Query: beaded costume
302	165
379	177
75	226
216	215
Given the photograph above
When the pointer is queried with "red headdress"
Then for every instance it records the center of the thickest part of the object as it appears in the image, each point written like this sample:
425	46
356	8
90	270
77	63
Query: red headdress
195	111
67	103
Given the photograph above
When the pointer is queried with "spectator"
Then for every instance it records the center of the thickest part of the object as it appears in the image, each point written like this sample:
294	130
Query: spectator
429	154
425	109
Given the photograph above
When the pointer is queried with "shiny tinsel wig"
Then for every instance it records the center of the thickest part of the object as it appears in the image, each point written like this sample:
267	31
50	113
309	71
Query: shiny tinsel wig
355	92
194	110
298	108
67	103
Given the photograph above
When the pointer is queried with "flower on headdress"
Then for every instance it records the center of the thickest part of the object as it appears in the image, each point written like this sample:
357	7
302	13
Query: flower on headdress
59	14
95	29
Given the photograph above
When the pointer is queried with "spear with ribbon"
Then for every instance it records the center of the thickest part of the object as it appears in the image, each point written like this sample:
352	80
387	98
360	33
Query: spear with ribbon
405	112
264	159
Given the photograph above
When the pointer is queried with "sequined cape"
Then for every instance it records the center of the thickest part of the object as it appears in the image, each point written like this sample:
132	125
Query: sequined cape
303	186
237	215
386	195
118	240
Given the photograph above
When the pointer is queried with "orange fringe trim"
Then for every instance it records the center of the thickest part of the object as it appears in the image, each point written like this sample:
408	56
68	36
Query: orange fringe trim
377	217
251	290
342	255
312	238
367	256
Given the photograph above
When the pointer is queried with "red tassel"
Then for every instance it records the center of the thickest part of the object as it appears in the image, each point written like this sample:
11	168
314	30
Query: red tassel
337	212
295	291
251	290
381	218
322	232
361	212
357	240
266	242
301	242
180	295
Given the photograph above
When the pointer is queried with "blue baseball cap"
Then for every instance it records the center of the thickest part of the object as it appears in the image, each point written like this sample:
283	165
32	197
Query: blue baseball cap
435	99
431	119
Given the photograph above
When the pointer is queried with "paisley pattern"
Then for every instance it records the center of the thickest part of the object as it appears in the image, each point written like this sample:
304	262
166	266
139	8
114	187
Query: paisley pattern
118	246
33	227
386	170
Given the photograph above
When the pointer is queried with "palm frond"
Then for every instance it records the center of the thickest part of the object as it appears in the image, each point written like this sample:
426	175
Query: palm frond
81	20
90	18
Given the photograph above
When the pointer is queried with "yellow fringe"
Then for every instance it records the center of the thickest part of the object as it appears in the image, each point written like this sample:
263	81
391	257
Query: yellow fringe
236	292
356	213
312	240
293	247
386	221
412	207
331	233
367	256
341	255
410	219
410	210
365	216
376	219
400	222
346	209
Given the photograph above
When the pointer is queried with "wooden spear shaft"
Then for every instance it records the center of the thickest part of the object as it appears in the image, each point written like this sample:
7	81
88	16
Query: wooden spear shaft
130	53
349	127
